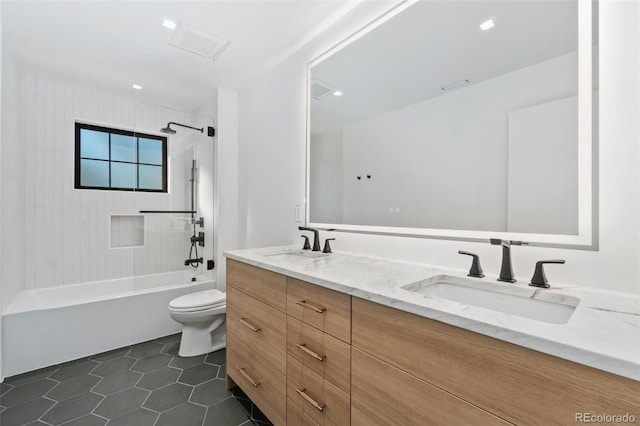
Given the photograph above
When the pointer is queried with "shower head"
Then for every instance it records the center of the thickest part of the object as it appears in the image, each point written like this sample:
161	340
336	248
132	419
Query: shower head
170	131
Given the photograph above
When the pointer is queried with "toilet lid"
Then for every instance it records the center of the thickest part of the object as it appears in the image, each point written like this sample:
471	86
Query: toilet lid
198	300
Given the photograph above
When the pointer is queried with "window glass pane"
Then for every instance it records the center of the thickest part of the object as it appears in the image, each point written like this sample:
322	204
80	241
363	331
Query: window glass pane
150	177
150	151
94	173
94	144
123	175
123	148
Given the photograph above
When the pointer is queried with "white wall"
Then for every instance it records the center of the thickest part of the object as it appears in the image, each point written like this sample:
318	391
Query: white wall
13	185
327	177
272	139
226	181
437	160
1	138
542	182
272	158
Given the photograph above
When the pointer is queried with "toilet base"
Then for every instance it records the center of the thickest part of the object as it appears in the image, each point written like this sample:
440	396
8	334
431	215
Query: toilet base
198	340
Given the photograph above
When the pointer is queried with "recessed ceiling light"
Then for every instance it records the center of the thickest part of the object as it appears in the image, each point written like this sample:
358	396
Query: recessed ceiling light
169	24
337	93
136	86
487	24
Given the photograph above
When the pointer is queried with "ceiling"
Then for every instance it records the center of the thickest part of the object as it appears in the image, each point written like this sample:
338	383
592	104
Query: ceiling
433	44
119	43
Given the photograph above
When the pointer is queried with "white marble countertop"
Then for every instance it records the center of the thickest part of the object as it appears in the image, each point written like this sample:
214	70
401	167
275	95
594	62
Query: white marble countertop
603	331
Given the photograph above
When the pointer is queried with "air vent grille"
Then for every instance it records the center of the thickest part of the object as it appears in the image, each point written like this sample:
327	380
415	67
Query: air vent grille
197	41
456	85
320	89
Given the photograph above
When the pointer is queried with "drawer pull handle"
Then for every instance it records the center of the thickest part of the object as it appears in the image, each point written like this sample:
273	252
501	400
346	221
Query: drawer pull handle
310	400
243	321
304	304
246	376
304	348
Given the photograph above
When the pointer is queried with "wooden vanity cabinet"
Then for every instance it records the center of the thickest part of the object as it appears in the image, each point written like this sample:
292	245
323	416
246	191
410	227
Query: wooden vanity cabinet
519	385
256	337
288	346
307	355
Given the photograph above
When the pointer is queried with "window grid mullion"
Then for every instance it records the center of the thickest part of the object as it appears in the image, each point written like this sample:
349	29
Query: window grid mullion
110	161
110	185
137	162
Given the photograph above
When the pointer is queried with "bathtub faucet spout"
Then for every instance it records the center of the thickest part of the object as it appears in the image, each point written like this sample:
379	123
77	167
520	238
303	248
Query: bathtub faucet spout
193	262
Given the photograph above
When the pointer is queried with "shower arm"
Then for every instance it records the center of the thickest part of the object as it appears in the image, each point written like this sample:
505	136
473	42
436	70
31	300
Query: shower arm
201	130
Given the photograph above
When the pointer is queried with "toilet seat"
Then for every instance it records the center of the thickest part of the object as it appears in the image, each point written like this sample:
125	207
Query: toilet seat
199	301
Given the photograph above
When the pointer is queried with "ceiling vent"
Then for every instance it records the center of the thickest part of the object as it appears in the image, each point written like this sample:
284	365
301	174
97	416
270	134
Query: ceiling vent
320	89
197	41
456	85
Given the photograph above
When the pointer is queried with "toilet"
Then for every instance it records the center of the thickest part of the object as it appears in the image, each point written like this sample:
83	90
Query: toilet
202	316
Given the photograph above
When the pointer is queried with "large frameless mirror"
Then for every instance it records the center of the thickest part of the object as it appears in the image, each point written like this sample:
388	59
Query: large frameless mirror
459	119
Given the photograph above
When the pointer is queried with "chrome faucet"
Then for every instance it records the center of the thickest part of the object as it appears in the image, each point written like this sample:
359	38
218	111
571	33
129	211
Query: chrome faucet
506	270
316	237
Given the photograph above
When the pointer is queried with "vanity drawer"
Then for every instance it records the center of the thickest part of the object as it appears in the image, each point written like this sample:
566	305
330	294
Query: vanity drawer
520	385
384	395
297	417
327	310
318	398
307	344
266	286
260	326
262	383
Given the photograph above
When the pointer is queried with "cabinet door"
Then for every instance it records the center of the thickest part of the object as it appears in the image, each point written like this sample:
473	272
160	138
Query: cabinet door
384	395
518	384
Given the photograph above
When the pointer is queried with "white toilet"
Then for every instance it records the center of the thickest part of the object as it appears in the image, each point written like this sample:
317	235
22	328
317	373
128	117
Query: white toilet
202	316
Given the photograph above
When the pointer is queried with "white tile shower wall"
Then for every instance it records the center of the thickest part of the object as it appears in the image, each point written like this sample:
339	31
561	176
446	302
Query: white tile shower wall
12	170
127	231
1	180
67	230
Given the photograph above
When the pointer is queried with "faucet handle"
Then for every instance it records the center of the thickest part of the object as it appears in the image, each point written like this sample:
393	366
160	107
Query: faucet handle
327	247
476	269
306	246
539	279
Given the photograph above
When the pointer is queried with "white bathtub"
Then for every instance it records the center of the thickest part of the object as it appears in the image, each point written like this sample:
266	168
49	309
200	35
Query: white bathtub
48	326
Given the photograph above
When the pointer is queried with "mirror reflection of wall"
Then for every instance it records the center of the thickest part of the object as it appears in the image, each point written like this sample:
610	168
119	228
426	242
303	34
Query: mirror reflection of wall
459	128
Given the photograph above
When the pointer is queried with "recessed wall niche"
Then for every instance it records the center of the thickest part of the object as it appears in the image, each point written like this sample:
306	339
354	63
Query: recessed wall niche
127	231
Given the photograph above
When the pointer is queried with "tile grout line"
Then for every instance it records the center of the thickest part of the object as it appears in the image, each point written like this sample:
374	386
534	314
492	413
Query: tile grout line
128	355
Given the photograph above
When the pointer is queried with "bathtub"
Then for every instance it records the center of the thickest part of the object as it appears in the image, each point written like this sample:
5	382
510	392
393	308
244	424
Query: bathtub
48	326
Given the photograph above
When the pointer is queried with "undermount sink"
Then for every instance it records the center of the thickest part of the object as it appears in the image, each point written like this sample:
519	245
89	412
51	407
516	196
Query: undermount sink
289	253
528	303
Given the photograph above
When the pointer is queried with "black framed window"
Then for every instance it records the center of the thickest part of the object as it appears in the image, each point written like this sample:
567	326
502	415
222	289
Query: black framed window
119	160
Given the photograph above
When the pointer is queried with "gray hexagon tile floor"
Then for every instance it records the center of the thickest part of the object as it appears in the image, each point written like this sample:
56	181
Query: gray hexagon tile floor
141	385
